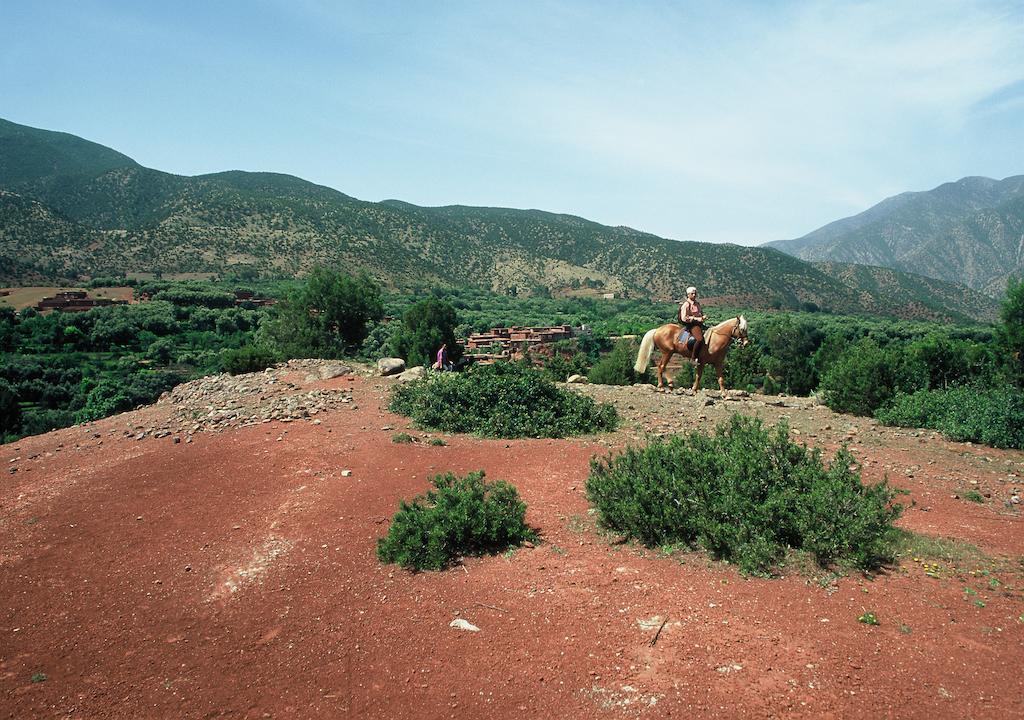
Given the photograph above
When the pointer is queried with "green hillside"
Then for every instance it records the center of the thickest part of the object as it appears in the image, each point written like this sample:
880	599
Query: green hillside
83	210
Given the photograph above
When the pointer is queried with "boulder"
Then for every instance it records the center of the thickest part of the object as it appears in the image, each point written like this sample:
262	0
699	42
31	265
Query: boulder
578	379
411	374
333	370
390	366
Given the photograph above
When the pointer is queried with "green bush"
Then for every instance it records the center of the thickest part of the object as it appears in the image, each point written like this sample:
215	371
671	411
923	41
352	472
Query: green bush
250	358
1010	336
461	516
502	400
10	410
952	361
745	494
866	377
114	395
616	368
994	417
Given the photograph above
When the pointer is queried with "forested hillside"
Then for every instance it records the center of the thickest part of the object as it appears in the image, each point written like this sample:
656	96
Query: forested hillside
72	209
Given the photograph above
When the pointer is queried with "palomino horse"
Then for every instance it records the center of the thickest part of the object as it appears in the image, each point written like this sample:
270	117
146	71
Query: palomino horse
716	342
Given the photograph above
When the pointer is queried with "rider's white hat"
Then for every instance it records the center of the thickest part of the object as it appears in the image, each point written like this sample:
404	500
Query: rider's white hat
691	289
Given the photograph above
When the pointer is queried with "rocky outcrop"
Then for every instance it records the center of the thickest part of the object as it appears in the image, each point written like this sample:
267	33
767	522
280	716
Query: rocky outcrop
218	402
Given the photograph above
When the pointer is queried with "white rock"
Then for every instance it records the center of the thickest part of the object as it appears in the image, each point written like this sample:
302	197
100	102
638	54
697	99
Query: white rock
334	370
580	379
460	624
414	373
390	366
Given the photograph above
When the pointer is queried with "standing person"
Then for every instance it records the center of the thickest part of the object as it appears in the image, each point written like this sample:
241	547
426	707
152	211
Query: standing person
442	362
692	318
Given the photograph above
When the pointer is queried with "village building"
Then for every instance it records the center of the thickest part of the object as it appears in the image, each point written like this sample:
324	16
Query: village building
507	343
75	301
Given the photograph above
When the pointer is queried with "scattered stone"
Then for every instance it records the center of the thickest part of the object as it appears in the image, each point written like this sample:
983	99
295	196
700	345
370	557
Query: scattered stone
219	402
333	370
460	624
578	379
651	623
346	473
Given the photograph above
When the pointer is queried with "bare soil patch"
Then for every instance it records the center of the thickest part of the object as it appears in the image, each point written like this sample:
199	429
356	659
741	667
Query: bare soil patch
235	576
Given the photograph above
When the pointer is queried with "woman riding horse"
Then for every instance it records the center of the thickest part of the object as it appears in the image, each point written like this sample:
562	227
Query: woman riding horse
692	318
666	338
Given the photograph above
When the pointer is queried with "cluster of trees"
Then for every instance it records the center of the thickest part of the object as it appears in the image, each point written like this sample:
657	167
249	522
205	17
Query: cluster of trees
63	368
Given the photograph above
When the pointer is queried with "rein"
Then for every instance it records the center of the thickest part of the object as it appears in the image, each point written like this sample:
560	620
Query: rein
732	333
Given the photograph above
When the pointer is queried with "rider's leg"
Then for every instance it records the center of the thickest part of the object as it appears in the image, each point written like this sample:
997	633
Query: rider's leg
698	332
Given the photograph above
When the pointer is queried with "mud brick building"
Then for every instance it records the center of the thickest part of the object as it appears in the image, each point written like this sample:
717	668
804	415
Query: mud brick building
507	342
75	301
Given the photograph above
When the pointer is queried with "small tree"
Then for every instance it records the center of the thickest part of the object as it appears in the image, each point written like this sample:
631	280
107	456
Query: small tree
10	410
425	326
790	347
328	316
1011	333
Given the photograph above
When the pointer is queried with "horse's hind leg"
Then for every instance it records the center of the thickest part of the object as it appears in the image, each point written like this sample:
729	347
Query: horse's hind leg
721	377
666	355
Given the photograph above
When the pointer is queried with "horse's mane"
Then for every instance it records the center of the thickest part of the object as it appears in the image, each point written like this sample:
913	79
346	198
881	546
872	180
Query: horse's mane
738	320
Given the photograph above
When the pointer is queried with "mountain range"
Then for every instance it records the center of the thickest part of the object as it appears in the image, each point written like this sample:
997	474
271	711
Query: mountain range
970	231
71	209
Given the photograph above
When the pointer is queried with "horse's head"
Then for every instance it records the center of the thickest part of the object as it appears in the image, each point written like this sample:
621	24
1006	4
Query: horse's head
739	331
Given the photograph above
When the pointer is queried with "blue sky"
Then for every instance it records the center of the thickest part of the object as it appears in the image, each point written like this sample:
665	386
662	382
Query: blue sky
724	122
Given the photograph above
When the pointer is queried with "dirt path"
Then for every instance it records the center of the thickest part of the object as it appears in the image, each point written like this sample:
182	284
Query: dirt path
235	576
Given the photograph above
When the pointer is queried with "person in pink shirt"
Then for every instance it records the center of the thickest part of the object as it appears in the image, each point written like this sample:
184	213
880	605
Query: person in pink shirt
443	363
691	316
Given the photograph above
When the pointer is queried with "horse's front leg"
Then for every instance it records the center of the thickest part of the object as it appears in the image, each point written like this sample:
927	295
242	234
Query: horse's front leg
721	377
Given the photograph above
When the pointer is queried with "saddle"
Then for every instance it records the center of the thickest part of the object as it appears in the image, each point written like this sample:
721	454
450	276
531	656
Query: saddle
687	340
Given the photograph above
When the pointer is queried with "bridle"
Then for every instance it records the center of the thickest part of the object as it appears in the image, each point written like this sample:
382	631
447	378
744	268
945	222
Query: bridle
737	333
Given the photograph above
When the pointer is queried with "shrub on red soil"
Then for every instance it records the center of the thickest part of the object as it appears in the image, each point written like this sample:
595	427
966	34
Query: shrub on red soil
746	494
992	416
462	516
502	400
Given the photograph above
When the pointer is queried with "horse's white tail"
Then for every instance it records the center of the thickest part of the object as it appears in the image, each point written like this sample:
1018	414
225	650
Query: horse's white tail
643	358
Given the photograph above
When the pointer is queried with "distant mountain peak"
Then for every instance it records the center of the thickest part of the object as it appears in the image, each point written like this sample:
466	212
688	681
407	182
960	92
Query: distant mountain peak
968	231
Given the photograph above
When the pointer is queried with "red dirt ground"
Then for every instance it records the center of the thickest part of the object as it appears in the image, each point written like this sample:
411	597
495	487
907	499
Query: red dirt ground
235	577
